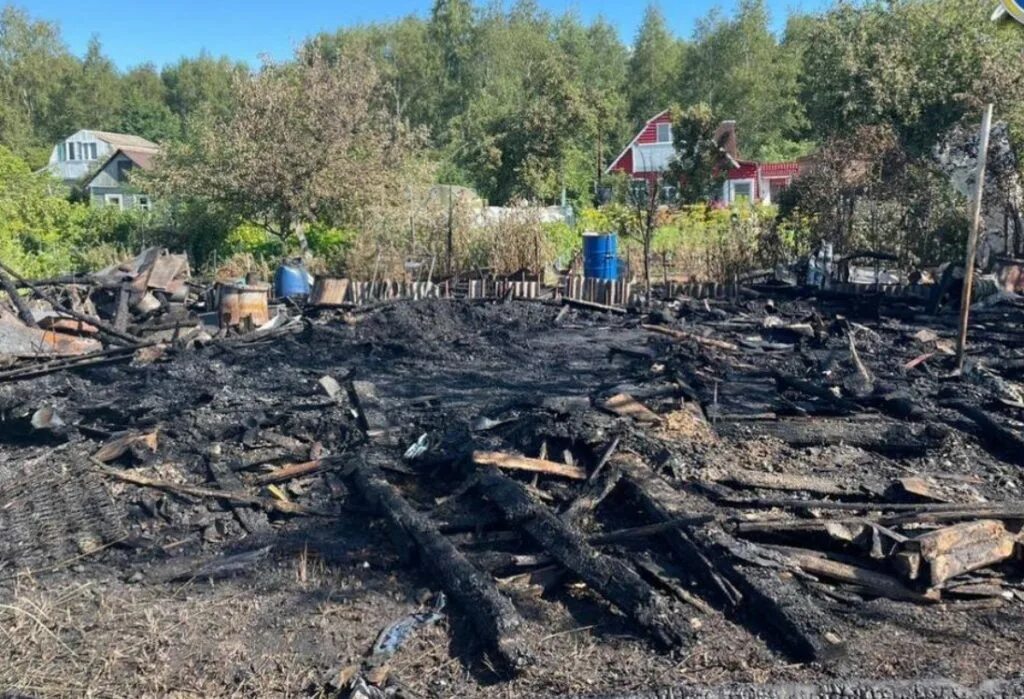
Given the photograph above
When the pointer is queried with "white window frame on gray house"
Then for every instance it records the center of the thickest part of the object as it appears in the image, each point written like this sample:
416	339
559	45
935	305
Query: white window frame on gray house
110	199
144	202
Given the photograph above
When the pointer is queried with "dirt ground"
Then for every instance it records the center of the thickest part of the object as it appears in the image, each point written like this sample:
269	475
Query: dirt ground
99	594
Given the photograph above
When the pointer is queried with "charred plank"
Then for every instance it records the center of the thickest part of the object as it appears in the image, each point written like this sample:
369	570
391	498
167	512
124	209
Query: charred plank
757	594
878	436
491	613
607	576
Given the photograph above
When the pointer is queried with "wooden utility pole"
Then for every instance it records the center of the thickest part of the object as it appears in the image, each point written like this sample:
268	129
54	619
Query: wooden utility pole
972	239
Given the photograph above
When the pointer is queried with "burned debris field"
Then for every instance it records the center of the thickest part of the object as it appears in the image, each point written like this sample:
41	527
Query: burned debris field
455	497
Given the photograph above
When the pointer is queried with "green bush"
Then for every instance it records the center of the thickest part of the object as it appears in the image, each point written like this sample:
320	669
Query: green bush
565	240
252	239
329	247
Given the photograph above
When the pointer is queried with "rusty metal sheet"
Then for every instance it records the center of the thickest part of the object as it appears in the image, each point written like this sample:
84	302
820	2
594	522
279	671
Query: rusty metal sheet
165	269
19	340
66	324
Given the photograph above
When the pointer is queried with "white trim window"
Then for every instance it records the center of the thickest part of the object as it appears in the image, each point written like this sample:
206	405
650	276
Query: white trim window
663	132
113	200
144	203
741	189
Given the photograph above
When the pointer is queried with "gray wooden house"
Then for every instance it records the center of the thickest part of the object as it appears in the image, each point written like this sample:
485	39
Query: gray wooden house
79	154
112	185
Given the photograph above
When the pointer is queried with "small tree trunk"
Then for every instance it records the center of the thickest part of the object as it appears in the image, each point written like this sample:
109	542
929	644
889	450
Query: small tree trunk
288	229
648	235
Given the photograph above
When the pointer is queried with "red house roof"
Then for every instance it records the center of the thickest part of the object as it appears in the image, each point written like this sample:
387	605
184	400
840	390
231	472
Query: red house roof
786	169
647	134
726	134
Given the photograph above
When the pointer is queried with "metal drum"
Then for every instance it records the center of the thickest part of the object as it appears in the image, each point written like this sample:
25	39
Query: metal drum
600	256
238	302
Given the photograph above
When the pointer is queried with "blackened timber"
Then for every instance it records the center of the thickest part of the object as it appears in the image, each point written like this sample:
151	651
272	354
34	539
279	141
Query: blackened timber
658	500
608	576
491	613
884	437
102	326
762	597
121	315
591	306
992	431
24	312
251	520
785	381
593	494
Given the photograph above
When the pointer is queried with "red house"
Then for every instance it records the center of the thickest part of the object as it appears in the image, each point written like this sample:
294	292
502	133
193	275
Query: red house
651	150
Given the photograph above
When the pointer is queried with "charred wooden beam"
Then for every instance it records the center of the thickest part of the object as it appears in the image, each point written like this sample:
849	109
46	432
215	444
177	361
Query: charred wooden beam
793	383
993	431
591	306
608	576
961	548
876	583
526	463
592	495
760	595
746	478
24	312
296	470
691	337
121	315
101	325
291	508
491	613
877	436
251	520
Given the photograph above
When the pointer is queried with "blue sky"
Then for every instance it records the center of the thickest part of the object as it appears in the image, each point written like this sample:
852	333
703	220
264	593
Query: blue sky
161	32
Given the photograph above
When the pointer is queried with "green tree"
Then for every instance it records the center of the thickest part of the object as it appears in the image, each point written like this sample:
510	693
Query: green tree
653	67
701	160
33	61
37	228
202	85
599	62
90	96
741	72
143	105
407	59
307	142
918	66
451	31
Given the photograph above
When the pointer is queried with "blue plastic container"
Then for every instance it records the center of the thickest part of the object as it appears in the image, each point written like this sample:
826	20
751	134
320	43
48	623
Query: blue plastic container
291	279
600	256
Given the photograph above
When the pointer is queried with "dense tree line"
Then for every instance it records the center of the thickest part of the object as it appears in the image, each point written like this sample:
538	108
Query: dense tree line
518	103
522	103
47	93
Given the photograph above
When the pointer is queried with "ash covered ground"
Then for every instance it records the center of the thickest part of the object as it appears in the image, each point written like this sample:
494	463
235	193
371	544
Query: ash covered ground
114	589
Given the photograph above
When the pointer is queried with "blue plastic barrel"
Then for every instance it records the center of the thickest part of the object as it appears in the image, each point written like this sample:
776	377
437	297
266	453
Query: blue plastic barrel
291	279
600	260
